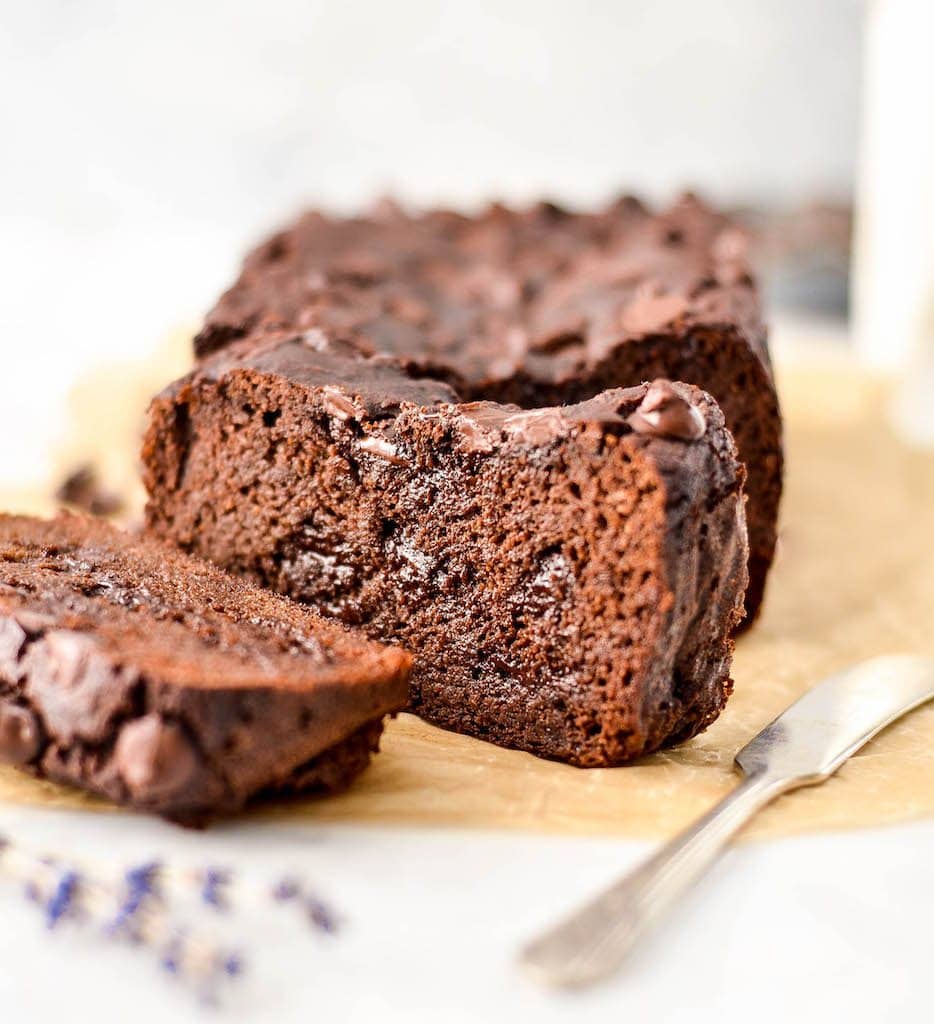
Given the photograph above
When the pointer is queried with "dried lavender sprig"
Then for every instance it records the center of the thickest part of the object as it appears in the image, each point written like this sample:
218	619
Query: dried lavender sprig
318	913
192	956
133	910
215	884
216	887
221	889
63	897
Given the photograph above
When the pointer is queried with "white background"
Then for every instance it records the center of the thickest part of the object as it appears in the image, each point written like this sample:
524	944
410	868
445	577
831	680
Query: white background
143	145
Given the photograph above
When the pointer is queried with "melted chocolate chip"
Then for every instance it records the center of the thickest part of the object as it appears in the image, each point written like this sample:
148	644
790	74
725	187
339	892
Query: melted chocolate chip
82	489
12	642
377	384
154	758
338	404
536	427
665	412
75	683
34	622
20	735
383	450
473	437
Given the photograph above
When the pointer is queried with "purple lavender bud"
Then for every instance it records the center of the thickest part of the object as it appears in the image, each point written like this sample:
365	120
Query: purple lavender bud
143	878
321	916
233	965
285	889
122	922
32	892
62	898
172	954
214	881
140	886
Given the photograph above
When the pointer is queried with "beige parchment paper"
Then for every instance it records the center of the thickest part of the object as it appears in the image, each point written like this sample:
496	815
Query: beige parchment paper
854	578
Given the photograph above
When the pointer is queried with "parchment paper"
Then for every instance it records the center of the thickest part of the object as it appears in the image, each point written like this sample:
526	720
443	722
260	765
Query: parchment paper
854	578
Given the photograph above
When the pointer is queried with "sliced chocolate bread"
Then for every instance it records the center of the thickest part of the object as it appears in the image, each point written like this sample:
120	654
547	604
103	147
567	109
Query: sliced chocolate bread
568	578
538	308
135	671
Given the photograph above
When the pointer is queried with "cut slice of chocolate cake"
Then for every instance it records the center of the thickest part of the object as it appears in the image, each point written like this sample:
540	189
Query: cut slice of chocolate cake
538	308
568	578
135	671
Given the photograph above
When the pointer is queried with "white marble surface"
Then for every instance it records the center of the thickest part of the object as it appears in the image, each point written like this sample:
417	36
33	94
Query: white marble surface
822	928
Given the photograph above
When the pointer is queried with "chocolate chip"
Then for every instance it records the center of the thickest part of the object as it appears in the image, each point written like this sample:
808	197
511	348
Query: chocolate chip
12	642
338	403
665	412
82	489
154	758
383	450
315	339
537	426
473	437
20	735
33	622
76	684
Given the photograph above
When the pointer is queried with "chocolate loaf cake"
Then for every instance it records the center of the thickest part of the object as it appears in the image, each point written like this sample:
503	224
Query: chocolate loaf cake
568	578
134	671
536	308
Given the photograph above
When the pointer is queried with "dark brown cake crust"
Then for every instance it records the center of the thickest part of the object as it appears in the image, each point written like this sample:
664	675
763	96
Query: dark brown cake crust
137	672
536	308
567	578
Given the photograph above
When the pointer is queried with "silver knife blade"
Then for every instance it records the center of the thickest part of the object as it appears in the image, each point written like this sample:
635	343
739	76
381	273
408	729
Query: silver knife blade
811	739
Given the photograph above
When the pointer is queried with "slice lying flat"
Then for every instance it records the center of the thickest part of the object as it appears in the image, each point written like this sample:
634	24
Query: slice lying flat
145	675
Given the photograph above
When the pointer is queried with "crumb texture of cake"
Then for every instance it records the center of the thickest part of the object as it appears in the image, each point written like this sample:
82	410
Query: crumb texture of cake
537	308
147	676
568	578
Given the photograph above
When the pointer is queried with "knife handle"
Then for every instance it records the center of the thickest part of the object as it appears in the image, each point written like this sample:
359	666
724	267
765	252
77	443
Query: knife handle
592	942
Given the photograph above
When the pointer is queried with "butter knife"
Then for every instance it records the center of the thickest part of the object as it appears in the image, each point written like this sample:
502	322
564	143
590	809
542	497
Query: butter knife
805	745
